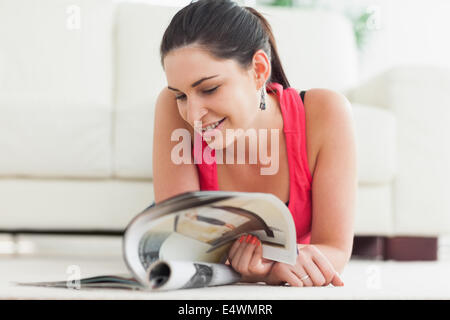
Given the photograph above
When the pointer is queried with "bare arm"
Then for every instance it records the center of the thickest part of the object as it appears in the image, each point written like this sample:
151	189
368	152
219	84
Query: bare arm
170	179
335	180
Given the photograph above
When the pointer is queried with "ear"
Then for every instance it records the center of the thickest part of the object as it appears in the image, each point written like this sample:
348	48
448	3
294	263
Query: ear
261	68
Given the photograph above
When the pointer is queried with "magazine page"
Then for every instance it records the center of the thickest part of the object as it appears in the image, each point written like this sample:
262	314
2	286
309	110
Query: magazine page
170	275
204	225
107	281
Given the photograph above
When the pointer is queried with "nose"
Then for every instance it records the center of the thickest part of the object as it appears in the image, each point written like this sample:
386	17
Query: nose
195	112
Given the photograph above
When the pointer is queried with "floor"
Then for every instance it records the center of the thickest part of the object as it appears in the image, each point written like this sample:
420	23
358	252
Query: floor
363	280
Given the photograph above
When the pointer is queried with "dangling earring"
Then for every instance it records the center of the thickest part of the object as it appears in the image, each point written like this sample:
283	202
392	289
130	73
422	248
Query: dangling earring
262	105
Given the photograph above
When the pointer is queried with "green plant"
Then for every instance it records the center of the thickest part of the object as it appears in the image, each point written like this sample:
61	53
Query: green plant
293	3
360	27
282	3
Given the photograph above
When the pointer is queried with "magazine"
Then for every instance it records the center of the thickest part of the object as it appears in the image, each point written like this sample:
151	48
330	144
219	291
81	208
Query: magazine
183	241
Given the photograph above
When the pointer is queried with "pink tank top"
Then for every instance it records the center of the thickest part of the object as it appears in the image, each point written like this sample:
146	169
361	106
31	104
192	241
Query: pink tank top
300	178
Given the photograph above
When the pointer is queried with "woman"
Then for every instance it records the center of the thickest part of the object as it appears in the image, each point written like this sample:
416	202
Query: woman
224	73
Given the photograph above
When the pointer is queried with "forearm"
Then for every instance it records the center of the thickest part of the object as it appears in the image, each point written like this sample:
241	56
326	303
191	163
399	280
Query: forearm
338	257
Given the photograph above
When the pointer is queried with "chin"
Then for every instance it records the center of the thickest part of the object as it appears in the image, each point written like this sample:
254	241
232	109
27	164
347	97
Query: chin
221	146
217	146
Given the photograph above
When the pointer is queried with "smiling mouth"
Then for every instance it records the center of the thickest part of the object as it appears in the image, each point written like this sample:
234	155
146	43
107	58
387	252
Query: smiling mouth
213	126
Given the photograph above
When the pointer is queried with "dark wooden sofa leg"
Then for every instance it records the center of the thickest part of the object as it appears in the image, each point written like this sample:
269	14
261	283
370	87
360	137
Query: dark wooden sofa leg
369	247
395	248
411	248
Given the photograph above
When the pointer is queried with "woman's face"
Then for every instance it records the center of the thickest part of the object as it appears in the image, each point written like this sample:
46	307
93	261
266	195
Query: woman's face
228	92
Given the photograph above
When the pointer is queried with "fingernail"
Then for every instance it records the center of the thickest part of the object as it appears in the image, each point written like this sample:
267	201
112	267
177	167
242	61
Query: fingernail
249	237
254	240
241	238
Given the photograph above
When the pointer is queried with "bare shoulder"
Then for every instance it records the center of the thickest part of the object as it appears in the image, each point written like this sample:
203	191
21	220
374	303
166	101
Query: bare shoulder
169	177
326	111
167	105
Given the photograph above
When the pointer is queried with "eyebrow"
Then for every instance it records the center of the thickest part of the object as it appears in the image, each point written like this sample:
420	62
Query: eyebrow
196	83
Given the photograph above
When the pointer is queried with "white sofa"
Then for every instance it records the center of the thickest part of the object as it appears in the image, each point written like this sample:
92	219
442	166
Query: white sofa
78	84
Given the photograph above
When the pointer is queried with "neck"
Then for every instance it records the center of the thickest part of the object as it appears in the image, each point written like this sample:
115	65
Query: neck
267	120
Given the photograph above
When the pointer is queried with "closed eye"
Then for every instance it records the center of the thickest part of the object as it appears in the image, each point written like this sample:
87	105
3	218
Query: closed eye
182	97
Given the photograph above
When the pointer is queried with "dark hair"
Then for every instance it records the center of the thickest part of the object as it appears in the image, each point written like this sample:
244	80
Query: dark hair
227	31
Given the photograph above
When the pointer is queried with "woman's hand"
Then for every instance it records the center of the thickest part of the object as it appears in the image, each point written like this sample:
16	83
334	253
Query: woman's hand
312	268
245	256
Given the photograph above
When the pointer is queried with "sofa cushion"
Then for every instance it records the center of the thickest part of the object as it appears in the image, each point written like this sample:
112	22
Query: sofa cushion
54	204
314	54
55	88
48	140
375	143
140	79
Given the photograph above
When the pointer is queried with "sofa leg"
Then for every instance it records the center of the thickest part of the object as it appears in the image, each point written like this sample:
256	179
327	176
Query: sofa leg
369	247
395	248
411	248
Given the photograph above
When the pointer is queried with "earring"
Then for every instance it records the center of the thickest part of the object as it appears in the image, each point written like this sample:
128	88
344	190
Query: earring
262	105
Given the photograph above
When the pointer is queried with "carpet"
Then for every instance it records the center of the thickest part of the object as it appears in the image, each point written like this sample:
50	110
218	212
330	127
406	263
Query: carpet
364	279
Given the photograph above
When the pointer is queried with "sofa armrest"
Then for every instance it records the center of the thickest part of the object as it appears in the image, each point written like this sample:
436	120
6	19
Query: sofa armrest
419	97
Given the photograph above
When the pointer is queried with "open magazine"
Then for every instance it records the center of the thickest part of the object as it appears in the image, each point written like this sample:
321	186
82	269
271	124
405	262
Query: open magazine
183	242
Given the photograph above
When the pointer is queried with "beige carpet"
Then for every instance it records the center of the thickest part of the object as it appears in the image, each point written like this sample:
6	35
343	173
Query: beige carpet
363	280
